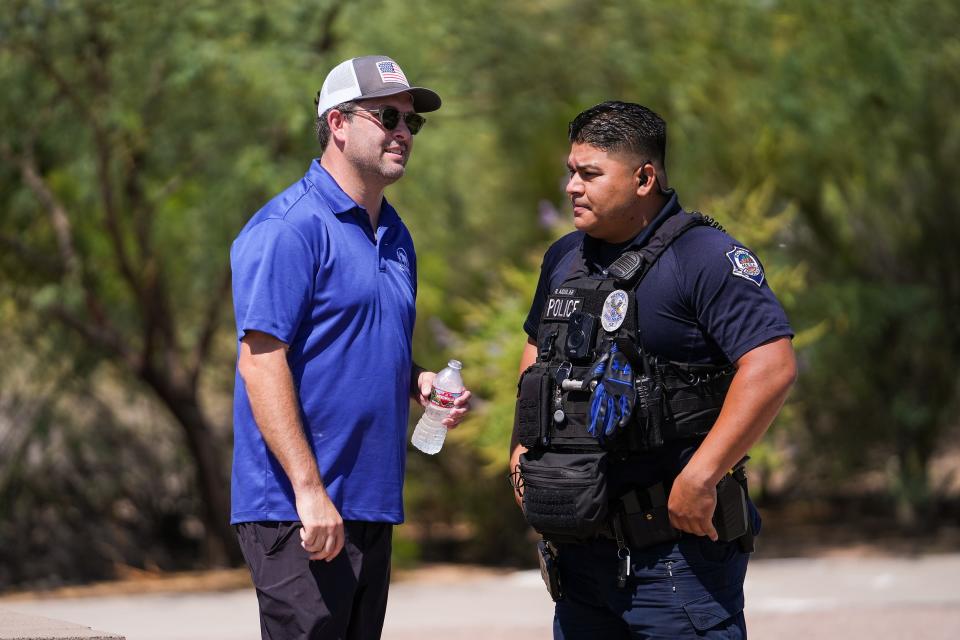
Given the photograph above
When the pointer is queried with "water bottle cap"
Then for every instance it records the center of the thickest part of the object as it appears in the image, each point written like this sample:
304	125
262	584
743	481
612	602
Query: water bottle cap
455	364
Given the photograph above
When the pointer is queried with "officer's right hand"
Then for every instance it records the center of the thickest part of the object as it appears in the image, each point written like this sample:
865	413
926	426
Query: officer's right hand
322	532
691	504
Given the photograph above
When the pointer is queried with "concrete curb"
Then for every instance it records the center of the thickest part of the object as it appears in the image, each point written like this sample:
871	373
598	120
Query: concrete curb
17	626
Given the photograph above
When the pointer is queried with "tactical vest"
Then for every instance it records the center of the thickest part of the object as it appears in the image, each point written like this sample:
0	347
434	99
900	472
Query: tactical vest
565	466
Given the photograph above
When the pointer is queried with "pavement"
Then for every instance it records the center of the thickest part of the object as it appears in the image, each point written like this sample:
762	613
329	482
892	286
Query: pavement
787	599
17	626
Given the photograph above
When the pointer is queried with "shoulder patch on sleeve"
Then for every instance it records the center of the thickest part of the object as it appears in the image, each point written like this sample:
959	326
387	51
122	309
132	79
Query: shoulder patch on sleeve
745	265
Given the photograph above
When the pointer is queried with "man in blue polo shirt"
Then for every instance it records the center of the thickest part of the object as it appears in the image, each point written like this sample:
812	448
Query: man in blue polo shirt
324	287
700	320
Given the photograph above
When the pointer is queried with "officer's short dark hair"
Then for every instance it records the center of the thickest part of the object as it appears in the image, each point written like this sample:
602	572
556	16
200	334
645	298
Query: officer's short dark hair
623	126
323	129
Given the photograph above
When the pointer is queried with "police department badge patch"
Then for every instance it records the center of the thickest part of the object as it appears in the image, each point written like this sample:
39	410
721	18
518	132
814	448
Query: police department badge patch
614	310
746	265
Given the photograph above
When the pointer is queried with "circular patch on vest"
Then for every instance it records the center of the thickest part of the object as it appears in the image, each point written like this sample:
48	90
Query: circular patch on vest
614	310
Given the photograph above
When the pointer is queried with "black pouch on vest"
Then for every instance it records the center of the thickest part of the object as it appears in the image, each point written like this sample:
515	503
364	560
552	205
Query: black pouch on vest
533	405
645	519
565	494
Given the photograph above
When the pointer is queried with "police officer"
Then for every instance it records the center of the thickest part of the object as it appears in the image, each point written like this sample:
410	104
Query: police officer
699	302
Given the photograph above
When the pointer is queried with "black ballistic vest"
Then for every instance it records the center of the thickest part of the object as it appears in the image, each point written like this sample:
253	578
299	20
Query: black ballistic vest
674	400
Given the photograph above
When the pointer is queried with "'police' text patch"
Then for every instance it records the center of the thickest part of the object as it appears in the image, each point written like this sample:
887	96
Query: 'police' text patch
561	307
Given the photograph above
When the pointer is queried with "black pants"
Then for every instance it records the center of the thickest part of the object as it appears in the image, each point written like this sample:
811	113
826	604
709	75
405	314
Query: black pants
344	599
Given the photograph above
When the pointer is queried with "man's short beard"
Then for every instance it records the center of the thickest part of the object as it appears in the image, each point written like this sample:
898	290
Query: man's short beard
387	171
392	172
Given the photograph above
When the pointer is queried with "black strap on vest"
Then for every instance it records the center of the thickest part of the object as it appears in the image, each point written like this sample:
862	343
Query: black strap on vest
630	267
684	402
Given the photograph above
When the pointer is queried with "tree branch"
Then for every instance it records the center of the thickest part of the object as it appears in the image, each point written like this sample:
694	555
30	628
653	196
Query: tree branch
46	65
143	207
33	259
175	181
101	138
111	216
97	335
327	40
209	327
105	336
59	219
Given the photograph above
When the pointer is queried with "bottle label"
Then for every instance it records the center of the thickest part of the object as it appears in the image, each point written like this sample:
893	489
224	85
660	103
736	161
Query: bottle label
443	399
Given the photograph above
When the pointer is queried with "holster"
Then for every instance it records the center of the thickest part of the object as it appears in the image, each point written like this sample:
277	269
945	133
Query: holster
550	569
645	520
732	518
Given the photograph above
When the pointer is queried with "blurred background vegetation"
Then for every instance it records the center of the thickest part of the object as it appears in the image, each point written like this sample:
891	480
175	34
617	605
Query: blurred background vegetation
137	137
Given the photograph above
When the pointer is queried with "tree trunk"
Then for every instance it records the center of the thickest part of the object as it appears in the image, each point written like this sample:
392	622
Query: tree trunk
913	486
211	480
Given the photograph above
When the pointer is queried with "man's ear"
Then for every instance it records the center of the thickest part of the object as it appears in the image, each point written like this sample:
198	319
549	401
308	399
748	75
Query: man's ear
336	122
645	180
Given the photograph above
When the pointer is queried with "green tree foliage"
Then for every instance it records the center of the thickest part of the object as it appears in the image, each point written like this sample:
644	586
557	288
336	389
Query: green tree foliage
873	124
138	137
821	135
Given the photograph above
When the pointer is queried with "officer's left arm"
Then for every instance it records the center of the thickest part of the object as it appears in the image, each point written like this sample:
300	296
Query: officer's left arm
422	383
759	387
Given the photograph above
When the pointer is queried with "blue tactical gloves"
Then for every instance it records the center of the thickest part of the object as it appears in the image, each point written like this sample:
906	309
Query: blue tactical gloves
613	399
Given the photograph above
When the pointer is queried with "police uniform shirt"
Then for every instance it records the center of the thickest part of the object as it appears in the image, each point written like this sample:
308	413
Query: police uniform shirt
705	301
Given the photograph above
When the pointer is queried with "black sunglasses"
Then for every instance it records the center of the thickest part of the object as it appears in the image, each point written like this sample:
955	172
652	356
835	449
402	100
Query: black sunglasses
389	117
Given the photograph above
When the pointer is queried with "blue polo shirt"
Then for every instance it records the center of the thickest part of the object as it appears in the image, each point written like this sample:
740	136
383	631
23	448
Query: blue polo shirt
705	301
310	270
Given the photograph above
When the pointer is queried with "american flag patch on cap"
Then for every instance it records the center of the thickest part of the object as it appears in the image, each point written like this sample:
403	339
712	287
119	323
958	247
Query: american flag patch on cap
390	72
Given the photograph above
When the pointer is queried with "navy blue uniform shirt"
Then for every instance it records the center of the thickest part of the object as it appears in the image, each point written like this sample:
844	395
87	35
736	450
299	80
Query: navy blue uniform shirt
705	301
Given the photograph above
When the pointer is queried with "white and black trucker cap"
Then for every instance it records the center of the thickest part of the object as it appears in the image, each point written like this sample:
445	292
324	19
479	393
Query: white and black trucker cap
371	77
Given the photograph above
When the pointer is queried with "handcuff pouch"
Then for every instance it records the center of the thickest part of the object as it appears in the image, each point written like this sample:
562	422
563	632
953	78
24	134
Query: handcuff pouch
645	519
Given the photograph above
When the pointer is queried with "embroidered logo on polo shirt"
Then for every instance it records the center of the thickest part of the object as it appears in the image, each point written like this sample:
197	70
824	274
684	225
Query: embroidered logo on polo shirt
745	265
403	260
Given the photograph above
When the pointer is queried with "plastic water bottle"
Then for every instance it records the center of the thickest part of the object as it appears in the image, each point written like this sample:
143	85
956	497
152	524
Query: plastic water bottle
429	434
